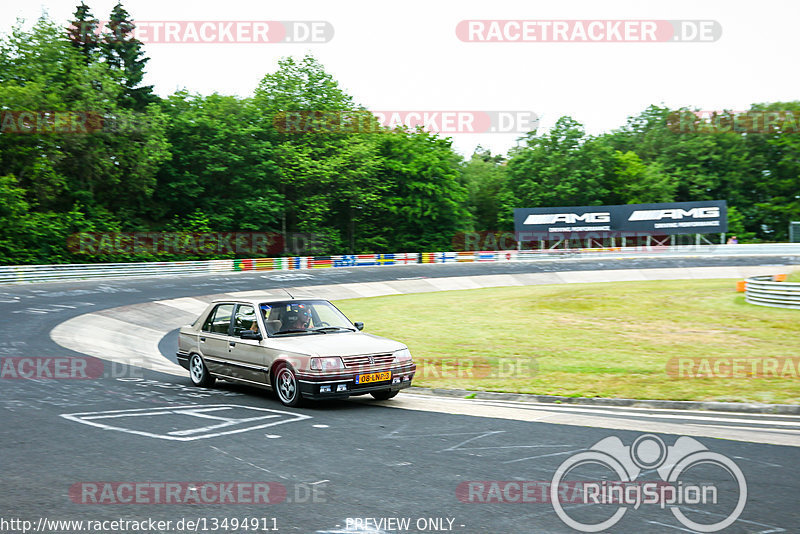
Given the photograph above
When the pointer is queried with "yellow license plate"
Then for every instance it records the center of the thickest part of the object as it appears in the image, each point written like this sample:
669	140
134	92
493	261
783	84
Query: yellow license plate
374	377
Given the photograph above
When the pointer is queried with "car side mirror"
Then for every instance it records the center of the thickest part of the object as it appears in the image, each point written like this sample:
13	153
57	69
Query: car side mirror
249	334
359	325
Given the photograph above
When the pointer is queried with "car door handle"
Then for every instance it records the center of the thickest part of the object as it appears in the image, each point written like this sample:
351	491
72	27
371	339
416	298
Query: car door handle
202	340
232	343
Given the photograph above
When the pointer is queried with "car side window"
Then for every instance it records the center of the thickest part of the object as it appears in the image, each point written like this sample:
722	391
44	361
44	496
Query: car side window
245	319
219	319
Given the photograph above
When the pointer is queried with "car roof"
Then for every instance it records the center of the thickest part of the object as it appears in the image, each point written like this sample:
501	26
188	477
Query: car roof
266	299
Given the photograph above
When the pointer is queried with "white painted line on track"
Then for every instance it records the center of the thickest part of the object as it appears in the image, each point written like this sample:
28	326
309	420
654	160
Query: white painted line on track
370	289
180	413
119	341
522	412
187	304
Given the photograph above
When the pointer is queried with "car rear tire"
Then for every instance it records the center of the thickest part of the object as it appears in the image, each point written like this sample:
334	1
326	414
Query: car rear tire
198	372
385	394
286	385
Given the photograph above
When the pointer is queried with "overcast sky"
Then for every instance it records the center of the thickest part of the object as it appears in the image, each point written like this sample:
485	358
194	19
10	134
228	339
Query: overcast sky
406	56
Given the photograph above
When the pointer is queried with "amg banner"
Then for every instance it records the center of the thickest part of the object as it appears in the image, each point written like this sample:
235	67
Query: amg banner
641	219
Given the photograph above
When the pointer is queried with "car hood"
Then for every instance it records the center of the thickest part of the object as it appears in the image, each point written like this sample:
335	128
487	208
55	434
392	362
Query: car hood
338	344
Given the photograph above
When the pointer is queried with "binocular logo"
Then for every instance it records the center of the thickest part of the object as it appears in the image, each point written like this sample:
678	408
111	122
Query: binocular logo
648	452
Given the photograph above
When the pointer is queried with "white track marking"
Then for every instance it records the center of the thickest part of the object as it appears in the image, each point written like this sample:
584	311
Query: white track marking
455	282
114	340
250	423
187	304
521	412
371	289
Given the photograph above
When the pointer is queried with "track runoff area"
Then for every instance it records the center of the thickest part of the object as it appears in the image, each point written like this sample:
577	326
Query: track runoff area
141	445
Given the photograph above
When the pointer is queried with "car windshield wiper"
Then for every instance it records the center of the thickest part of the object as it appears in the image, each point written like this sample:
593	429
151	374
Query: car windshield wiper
297	331
332	328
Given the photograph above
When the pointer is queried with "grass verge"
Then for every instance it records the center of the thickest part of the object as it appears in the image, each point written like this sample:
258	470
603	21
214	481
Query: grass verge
593	340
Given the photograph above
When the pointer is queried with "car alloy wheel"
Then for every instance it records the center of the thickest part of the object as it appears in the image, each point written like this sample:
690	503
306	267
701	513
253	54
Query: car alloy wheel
286	386
198	372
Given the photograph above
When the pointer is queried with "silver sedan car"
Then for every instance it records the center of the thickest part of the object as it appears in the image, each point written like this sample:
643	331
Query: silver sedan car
300	348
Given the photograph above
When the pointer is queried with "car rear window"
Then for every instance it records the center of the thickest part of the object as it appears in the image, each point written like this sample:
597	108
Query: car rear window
219	320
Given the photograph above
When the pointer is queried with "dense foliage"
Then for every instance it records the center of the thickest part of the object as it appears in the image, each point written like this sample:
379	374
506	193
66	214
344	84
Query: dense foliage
219	163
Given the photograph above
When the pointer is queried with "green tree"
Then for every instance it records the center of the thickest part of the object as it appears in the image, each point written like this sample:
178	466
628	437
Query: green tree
635	182
756	172
81	166
326	181
776	173
485	180
563	167
424	205
125	54
736	225
222	165
83	33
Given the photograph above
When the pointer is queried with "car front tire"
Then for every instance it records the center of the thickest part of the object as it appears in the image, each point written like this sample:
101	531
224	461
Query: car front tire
385	394
286	385
198	372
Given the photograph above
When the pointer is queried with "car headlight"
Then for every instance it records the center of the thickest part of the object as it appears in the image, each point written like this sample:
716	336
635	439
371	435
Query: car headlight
402	356
327	364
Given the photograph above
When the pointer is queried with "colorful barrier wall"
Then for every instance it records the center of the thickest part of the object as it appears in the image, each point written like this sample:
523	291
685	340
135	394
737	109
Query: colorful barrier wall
60	272
323	262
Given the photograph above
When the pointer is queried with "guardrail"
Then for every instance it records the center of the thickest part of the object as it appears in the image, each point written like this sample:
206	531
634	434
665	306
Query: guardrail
80	271
57	272
765	291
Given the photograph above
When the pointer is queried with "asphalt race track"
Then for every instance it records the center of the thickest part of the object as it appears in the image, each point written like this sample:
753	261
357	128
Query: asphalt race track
134	445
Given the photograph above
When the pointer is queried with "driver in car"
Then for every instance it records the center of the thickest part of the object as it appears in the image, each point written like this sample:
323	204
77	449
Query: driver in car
296	318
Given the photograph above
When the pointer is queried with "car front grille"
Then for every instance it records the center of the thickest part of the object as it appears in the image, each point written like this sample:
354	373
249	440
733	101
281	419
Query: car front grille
368	360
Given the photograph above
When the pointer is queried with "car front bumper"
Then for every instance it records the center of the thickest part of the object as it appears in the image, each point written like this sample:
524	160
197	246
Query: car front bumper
341	386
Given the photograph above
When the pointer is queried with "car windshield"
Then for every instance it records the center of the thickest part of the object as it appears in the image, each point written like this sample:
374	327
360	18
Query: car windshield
304	317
